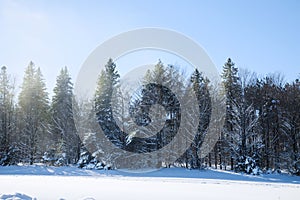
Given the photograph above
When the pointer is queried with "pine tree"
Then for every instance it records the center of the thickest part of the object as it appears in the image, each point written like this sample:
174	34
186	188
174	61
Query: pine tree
108	79
158	107
267	97
34	114
7	124
107	82
270	120
158	75
291	151
63	126
245	138
233	93
4	102
200	86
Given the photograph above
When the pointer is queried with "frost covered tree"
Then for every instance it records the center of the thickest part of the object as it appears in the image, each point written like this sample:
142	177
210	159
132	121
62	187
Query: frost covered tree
107	81
267	97
233	95
200	87
246	139
271	120
162	108
291	141
241	139
7	115
62	120
33	110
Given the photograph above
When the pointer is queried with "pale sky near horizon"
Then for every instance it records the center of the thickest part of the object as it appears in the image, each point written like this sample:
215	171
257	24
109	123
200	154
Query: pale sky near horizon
262	36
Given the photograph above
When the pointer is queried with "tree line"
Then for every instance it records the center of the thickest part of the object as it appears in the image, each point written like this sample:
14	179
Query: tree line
33	129
261	130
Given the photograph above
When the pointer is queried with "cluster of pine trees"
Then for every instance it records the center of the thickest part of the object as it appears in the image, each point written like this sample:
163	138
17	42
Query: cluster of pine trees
33	129
261	130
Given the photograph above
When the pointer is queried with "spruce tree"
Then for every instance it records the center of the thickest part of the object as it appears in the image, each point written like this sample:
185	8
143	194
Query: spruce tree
7	125
233	93
158	107
200	87
291	143
107	82
63	126
34	114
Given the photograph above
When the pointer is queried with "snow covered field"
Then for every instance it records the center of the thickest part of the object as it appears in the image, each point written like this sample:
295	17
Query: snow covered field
42	182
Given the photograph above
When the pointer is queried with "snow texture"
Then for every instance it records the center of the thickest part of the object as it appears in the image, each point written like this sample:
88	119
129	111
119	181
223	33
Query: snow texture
41	182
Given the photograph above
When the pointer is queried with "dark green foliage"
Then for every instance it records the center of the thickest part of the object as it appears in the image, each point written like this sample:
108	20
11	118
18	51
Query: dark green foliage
7	123
62	120
261	132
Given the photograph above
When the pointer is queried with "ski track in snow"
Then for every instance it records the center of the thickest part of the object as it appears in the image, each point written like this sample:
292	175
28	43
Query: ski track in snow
42	182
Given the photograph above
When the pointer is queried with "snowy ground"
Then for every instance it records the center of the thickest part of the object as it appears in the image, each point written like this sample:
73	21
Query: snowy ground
42	182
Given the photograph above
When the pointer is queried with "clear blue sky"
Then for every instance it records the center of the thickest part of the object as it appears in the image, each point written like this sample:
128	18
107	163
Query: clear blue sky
263	36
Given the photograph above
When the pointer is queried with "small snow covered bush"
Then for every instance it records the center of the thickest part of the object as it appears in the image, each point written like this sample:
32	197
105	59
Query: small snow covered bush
11	157
88	161
247	165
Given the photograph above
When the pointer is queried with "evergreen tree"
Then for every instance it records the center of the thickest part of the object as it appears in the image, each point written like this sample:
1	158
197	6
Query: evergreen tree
108	79
63	126
233	95
34	114
271	120
158	75
200	86
7	123
291	141
107	82
247	140
158	107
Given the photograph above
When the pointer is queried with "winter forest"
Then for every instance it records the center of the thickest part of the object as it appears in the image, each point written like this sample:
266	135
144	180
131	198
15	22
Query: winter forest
261	132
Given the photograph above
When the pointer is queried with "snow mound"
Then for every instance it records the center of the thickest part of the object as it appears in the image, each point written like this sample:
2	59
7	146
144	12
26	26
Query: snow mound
16	196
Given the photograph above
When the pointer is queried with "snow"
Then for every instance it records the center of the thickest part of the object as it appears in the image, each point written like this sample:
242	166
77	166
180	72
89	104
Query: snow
41	182
16	196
